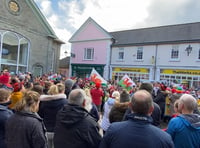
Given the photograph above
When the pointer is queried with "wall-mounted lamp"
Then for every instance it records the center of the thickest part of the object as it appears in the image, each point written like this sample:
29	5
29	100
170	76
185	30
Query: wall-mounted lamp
71	54
189	50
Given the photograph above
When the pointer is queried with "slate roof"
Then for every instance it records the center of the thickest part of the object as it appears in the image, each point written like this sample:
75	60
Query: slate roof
64	63
158	35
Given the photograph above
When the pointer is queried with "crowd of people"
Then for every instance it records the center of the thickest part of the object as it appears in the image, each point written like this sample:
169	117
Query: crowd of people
59	112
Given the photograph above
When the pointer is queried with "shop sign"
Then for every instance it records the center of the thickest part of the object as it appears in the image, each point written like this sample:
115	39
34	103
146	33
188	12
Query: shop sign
139	70
180	71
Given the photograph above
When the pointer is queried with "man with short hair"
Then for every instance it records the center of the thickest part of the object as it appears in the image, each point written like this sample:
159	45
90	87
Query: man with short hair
185	128
137	131
75	127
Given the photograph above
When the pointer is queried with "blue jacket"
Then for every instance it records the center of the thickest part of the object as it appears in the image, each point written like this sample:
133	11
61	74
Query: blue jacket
5	113
185	131
136	132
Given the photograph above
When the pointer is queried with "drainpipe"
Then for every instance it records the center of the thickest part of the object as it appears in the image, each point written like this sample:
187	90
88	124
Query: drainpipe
155	62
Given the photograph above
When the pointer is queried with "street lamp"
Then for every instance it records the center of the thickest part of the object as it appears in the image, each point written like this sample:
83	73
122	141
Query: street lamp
71	54
188	49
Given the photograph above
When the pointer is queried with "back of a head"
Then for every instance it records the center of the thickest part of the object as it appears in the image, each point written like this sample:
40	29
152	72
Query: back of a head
38	88
61	87
77	97
4	94
124	96
69	83
141	102
190	103
146	86
53	90
29	99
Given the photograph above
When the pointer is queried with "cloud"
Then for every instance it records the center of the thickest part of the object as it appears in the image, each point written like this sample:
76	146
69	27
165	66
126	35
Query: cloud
66	16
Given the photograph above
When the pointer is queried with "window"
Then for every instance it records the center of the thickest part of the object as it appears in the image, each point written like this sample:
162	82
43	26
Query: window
121	54
175	52
139	53
199	55
89	53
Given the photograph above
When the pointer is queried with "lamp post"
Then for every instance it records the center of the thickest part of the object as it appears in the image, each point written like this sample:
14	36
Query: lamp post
189	50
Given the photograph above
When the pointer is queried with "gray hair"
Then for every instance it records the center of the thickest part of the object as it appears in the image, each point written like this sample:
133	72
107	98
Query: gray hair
77	96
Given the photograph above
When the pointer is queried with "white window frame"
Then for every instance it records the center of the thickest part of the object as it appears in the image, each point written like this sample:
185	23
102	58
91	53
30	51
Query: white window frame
86	56
175	53
140	54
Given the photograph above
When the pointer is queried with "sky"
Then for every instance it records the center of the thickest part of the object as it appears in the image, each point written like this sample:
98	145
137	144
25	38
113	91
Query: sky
66	16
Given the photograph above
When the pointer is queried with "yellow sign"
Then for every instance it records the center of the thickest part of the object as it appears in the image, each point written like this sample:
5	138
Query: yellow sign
140	70
180	71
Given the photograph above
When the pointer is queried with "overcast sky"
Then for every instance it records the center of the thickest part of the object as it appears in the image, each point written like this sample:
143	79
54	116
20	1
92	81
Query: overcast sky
66	16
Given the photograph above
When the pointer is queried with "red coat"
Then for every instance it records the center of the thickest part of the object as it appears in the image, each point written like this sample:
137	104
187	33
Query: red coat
97	94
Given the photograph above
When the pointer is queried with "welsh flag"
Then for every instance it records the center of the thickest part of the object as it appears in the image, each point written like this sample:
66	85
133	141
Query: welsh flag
95	77
126	82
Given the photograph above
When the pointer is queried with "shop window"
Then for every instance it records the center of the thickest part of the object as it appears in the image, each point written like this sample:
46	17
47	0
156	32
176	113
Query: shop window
139	53
88	53
174	52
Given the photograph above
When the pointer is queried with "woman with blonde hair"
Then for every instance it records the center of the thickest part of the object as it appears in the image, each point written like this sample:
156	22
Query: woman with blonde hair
25	129
49	106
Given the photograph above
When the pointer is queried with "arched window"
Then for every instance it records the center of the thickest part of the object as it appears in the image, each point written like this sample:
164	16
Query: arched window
14	52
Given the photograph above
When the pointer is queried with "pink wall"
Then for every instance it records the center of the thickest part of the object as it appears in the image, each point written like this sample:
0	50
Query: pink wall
90	32
99	52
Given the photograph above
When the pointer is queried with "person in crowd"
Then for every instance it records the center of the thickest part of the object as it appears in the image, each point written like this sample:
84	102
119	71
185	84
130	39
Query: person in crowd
118	110
97	94
156	114
75	127
107	108
16	95
5	81
137	131
160	99
49	107
47	85
25	128
38	88
185	128
92	109
5	113
68	86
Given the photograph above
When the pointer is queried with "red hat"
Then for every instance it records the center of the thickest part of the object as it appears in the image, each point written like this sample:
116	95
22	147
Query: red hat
4	79
17	87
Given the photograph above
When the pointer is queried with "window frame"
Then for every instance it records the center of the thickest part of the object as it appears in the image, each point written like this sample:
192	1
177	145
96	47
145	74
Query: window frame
175	53
139	54
86	56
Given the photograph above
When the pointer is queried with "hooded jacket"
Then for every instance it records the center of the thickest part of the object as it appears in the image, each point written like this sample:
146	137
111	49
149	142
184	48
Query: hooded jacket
5	113
49	107
25	130
185	131
136	132
76	128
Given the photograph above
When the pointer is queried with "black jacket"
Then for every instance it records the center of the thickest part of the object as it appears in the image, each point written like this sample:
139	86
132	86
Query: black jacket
49	107
25	130
76	128
5	113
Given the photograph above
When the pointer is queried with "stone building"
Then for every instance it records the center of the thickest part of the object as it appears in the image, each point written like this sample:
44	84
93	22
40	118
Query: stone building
27	41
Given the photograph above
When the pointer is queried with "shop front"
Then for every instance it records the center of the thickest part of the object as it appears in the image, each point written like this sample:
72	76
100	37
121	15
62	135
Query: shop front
84	70
136	74
189	77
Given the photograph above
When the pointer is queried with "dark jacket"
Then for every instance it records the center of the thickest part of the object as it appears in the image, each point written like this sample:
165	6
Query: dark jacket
117	112
156	114
76	128
136	132
49	106
25	130
5	113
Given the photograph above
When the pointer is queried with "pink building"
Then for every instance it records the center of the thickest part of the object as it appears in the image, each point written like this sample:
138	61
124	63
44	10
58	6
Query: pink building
90	48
